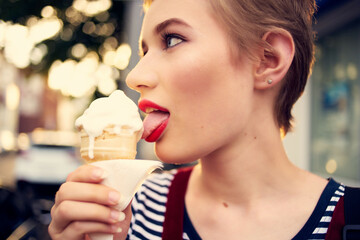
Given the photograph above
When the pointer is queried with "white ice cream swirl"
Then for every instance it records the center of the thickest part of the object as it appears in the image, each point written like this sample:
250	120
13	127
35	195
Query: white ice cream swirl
117	111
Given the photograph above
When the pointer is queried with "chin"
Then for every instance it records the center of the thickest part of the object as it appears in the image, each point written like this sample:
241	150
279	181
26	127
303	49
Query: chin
171	156
174	150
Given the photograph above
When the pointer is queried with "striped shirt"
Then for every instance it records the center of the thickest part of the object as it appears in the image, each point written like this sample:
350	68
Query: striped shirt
148	209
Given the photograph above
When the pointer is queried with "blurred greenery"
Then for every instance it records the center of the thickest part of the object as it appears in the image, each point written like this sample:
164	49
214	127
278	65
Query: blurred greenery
73	30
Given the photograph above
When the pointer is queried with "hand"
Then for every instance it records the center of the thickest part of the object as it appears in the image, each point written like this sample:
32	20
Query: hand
83	206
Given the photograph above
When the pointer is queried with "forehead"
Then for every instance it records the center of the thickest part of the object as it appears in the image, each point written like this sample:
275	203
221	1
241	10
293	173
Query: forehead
195	12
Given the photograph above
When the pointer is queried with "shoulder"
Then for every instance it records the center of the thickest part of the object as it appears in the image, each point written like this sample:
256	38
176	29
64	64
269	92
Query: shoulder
345	212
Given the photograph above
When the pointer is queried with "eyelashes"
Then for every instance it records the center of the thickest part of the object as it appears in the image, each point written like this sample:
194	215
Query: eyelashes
171	40
168	40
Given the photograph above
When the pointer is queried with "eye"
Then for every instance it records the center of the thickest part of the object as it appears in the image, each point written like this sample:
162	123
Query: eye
171	40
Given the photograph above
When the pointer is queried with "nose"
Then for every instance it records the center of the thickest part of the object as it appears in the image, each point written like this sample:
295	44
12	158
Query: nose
142	76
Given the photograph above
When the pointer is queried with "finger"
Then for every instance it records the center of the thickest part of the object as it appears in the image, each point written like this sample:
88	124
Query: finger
87	173
77	230
127	210
87	192
124	224
70	211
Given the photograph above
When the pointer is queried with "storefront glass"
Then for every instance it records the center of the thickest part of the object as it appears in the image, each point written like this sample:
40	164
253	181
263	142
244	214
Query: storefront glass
335	118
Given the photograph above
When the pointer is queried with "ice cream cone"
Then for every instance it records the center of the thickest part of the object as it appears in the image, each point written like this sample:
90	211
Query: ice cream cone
109	145
110	129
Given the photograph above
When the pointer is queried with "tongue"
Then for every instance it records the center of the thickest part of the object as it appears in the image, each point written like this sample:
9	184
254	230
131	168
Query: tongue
153	121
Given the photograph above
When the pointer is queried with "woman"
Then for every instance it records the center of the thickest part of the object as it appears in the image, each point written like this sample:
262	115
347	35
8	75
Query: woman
218	80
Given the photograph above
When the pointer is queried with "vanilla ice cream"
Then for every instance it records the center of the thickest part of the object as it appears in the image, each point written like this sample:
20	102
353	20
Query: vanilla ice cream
110	128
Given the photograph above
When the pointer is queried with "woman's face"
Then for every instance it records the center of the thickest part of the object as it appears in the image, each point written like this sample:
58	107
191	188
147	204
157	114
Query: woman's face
189	70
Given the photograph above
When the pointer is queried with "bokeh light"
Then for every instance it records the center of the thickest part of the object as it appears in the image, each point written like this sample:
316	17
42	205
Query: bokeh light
20	42
78	79
56	58
12	97
331	166
92	7
7	140
23	141
79	50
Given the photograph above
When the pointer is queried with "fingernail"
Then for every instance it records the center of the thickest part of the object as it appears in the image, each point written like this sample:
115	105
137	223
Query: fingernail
116	229
117	216
98	173
122	216
114	197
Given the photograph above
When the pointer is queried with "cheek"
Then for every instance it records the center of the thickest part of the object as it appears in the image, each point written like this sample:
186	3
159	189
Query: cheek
193	86
189	75
195	76
205	95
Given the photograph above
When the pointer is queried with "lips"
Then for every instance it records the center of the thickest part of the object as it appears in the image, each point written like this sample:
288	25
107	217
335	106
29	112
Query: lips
155	122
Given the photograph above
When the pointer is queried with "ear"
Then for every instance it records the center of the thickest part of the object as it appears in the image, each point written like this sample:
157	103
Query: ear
276	60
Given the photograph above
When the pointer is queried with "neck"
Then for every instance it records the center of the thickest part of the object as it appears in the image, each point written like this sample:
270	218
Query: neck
249	168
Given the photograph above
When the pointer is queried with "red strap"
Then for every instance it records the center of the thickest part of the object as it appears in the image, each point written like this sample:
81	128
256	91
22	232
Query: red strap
337	222
174	214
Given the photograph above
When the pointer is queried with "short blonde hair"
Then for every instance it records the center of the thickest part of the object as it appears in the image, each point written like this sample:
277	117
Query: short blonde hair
248	20
147	4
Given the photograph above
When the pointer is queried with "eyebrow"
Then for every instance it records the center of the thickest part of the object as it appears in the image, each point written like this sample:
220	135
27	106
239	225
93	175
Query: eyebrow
161	26
172	21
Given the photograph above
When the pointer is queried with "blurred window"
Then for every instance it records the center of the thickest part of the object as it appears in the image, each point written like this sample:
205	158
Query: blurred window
335	117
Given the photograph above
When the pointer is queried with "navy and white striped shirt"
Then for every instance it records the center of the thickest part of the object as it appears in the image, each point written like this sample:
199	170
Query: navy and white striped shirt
148	208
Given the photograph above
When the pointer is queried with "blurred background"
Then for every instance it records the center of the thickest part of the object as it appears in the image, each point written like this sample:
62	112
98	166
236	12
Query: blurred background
58	56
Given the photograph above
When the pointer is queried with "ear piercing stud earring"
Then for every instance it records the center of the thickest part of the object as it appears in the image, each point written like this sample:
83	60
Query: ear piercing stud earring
269	81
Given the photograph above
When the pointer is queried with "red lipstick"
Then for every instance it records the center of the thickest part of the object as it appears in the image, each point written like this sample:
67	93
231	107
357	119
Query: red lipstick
147	104
155	122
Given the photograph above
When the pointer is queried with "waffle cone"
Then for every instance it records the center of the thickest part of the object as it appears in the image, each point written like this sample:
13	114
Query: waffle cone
108	146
